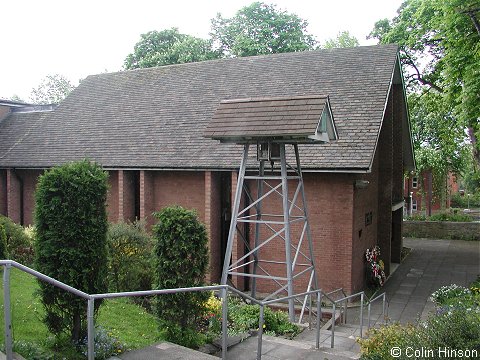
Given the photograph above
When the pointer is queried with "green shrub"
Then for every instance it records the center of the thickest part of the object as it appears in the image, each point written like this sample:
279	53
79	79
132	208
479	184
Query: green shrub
450	216
71	228
130	265
106	346
454	326
465	201
3	243
244	317
181	259
381	340
442	295
19	245
475	287
416	217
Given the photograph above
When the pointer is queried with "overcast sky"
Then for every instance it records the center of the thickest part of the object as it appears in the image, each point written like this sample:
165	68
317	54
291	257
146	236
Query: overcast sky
76	38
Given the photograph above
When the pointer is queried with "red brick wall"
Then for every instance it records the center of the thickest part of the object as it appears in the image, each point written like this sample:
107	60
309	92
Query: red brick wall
397	172
112	196
184	188
330	205
17	192
126	195
330	202
147	196
212	223
29	179
364	236
385	181
3	192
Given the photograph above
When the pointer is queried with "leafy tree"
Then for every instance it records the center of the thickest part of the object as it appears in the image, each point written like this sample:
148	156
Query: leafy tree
261	29
343	40
52	90
71	228
181	261
438	139
157	48
440	50
17	98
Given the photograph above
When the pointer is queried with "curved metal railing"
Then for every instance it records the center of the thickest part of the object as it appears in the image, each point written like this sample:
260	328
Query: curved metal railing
222	289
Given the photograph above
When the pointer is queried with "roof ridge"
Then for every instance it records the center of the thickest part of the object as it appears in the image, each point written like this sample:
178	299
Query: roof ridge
242	58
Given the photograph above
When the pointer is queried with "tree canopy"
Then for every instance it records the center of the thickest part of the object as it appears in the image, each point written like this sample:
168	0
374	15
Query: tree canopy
343	40
254	30
440	52
51	90
157	48
261	29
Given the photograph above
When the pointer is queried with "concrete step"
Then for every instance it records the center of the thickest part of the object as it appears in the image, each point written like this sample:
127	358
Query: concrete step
274	348
15	356
164	351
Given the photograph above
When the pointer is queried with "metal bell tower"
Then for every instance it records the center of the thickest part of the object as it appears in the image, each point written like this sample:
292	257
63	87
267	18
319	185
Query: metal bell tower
281	258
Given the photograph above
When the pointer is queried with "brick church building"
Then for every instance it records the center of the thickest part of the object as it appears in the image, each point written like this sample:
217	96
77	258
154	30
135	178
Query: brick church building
145	127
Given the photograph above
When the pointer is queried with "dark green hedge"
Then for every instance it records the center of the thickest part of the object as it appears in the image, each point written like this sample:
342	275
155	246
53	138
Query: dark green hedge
71	225
181	261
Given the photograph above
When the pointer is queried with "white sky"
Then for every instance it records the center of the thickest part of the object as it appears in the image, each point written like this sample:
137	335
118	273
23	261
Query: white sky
76	38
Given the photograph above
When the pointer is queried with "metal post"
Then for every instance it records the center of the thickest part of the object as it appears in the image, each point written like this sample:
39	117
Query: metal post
383	309
236	206
286	224
361	314
345	308
310	312
319	319
7	312
305	212
224	323
260	333
257	226
90	329
368	321
332	340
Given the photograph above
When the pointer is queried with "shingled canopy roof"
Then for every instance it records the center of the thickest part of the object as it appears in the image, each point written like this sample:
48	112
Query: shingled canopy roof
289	119
155	118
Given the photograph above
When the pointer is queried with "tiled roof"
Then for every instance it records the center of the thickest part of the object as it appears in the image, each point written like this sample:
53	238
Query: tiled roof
283	117
155	118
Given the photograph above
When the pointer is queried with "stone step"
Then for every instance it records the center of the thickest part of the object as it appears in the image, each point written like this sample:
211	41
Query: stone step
164	351
274	348
15	356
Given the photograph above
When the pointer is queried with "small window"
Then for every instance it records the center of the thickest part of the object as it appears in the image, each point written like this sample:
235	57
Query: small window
414	204
368	218
414	182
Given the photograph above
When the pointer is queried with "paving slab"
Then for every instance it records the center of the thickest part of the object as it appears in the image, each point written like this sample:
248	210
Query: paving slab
430	265
164	351
281	349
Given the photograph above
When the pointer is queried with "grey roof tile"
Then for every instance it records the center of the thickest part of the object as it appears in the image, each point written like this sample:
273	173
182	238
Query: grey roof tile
155	118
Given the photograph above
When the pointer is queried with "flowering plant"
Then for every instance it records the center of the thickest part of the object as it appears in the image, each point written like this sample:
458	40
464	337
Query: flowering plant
441	296
375	267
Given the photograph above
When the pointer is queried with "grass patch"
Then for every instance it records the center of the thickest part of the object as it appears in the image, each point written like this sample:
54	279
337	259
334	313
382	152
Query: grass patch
130	324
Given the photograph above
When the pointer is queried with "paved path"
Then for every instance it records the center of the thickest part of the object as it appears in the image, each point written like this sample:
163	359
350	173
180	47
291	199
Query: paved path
430	265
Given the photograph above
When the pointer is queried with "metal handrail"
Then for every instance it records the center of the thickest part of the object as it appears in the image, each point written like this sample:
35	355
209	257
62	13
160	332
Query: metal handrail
382	296
344	300
224	289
